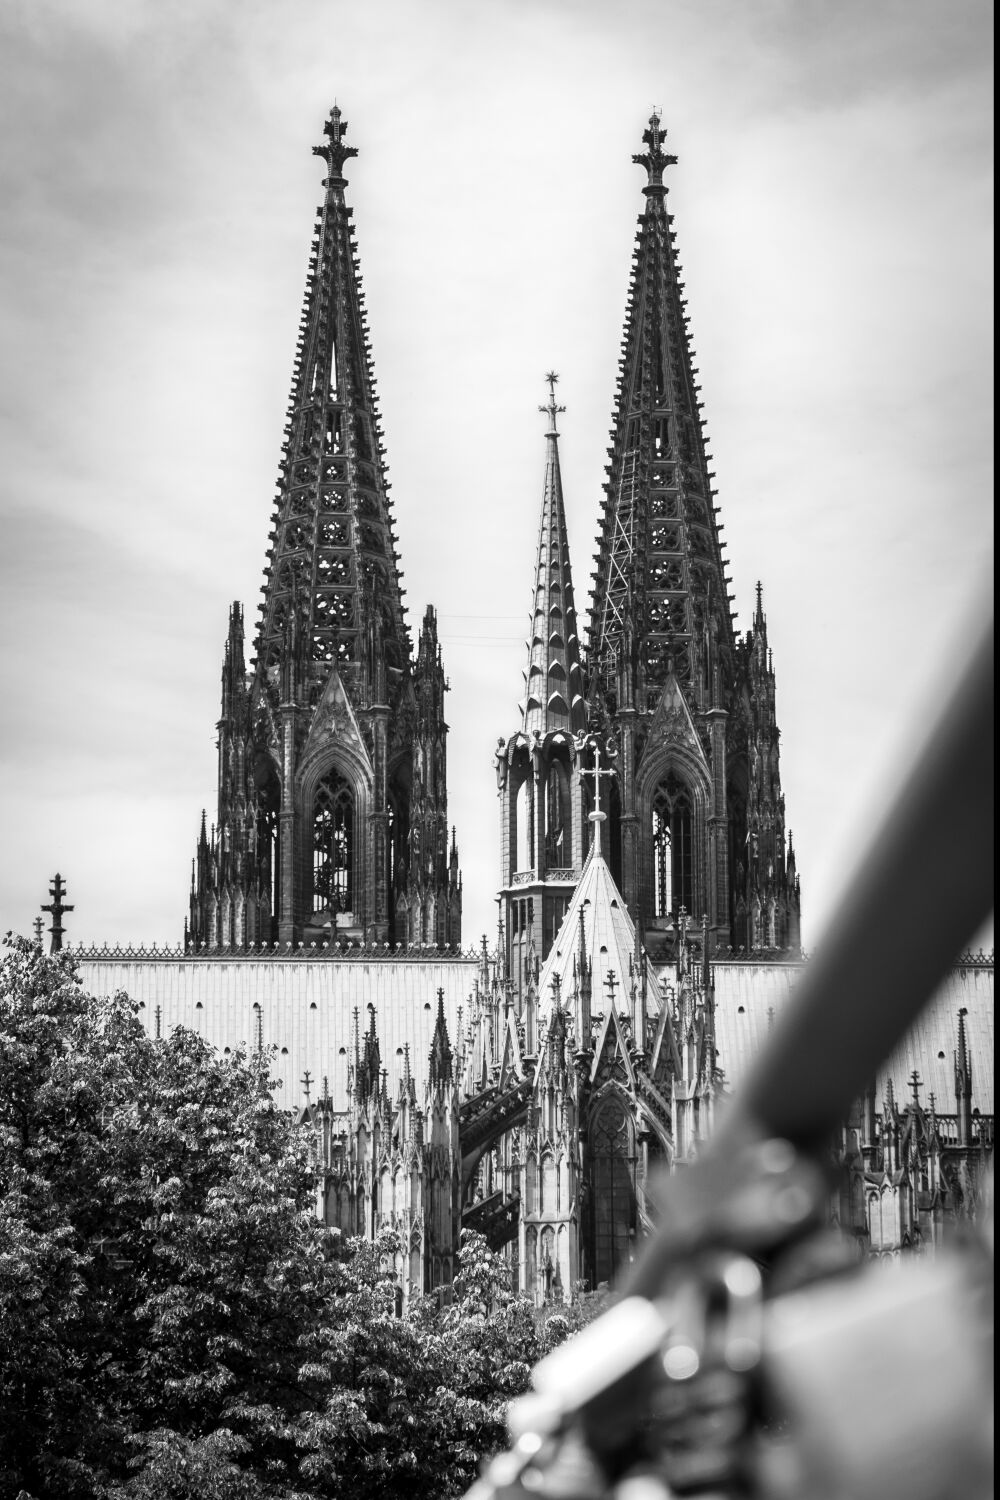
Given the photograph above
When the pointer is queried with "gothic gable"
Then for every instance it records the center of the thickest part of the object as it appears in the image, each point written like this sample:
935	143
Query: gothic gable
612	1063
672	724
335	722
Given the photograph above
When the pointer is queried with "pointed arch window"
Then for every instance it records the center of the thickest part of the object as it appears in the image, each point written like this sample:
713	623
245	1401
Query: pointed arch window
672	847
557	815
333	845
613	1194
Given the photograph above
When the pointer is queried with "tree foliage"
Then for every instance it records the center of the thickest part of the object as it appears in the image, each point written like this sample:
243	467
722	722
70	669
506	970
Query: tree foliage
173	1320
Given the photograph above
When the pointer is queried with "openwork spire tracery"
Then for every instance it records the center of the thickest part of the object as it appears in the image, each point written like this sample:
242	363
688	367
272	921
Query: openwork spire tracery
332	574
332	819
660	586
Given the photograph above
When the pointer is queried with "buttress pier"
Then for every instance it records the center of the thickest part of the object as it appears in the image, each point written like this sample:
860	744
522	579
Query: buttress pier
332	816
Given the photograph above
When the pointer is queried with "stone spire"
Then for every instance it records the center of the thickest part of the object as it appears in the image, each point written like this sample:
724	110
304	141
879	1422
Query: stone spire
369	1071
439	1067
660	583
690	710
332	572
335	737
963	1082
554	681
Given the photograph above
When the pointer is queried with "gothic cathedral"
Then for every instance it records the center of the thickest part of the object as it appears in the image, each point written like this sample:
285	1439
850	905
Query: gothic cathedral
649	900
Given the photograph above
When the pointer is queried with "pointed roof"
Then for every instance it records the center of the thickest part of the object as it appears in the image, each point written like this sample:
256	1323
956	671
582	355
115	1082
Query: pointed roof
332	560
660	573
439	1067
369	1063
598	931
553	696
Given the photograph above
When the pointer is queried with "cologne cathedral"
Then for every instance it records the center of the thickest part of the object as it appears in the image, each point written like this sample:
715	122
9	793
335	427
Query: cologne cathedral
530	1088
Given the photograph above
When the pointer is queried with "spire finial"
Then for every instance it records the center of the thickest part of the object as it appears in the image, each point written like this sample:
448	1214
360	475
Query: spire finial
335	151
58	907
551	409
597	817
654	158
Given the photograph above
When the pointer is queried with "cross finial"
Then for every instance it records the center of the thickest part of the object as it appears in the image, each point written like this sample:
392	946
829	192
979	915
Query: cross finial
307	1083
915	1082
611	984
597	817
654	158
551	409
39	927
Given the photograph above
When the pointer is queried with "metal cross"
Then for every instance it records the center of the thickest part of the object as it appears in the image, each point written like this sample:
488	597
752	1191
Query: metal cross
597	772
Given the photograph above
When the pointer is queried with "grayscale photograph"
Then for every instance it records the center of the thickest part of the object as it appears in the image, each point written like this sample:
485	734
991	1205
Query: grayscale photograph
498	989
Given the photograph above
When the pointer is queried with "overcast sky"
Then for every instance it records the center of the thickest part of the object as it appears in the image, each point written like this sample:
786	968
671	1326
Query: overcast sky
833	211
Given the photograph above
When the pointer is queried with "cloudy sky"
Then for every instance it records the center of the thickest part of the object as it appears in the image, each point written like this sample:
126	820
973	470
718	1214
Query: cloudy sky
833	210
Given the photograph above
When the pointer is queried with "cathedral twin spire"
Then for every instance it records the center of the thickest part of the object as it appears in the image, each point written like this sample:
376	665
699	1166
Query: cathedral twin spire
686	712
332	578
660	588
333	821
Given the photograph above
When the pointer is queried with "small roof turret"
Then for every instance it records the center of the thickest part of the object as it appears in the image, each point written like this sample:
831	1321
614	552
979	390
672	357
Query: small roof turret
554	682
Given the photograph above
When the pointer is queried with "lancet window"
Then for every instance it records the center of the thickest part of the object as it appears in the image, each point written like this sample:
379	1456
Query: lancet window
613	1199
557	816
333	845
672	846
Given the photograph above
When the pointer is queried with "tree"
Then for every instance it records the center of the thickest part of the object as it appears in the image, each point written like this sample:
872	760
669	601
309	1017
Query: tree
173	1320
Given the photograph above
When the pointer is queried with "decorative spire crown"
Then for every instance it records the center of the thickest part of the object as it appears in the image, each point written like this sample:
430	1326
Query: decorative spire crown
335	150
654	158
551	409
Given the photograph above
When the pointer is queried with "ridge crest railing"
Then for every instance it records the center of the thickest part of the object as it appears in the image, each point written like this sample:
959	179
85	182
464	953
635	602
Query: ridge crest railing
303	952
